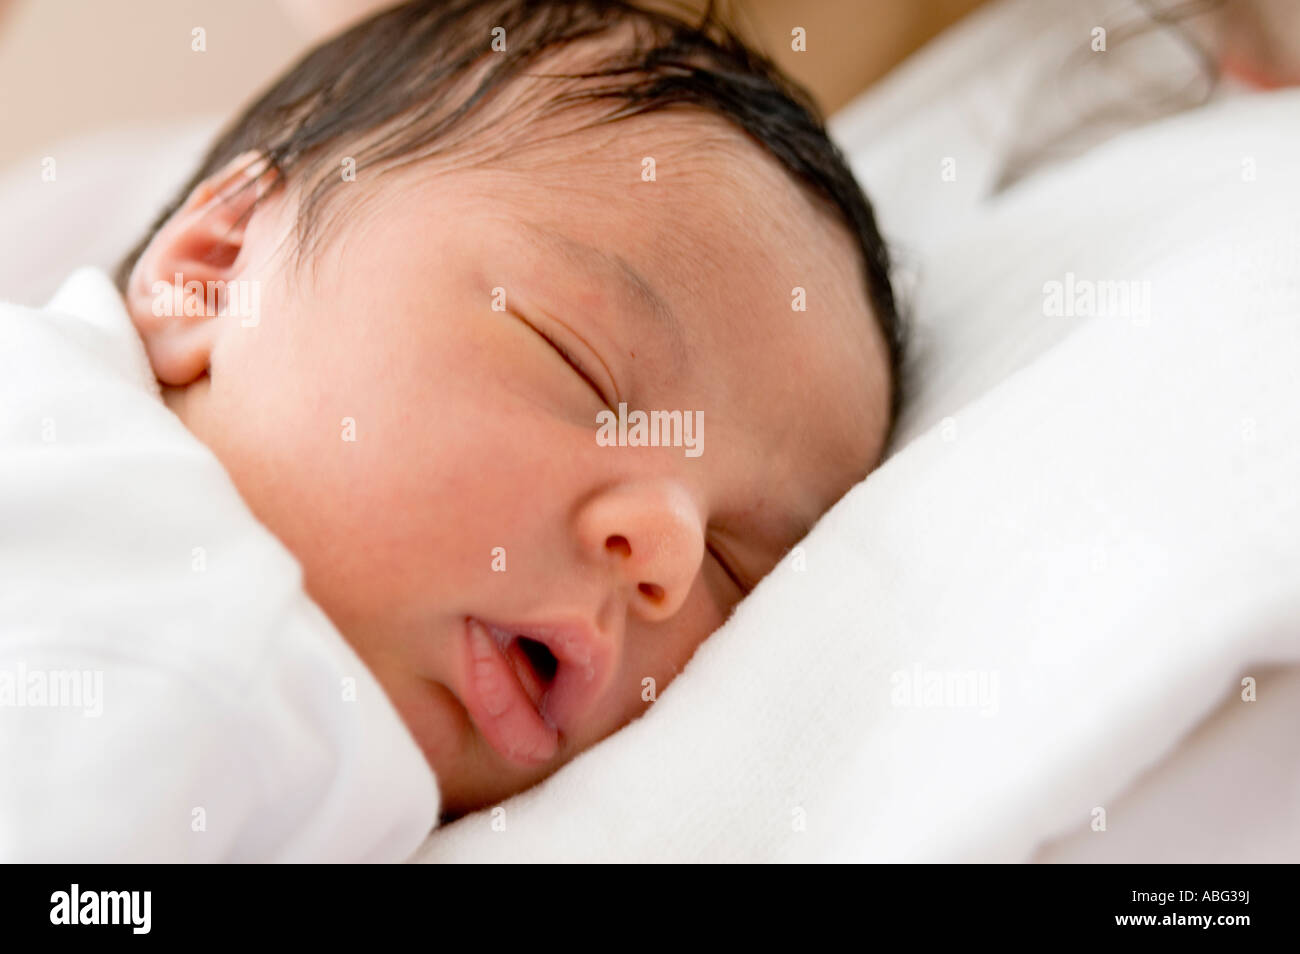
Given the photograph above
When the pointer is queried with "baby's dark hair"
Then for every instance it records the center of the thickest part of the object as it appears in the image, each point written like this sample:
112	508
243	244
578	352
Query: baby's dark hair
410	82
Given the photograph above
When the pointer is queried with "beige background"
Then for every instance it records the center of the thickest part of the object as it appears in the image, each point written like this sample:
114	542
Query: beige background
74	66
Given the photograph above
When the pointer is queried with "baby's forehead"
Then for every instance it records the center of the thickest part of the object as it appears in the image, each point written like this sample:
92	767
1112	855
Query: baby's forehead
706	213
684	148
684	177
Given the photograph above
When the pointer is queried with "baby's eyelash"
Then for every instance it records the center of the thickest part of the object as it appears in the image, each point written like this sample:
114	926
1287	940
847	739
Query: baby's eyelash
572	362
726	568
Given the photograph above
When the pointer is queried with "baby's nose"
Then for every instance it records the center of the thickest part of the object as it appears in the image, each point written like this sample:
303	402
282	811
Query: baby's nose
649	534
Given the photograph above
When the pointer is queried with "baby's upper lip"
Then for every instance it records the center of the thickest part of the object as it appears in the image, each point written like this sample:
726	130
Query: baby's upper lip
583	661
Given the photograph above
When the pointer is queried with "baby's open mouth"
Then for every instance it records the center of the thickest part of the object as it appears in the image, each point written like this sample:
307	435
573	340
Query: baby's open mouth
533	663
526	683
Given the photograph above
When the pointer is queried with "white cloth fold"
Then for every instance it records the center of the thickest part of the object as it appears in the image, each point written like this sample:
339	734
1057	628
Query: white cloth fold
167	689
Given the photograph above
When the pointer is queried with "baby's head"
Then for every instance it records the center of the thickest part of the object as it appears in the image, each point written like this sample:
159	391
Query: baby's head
482	236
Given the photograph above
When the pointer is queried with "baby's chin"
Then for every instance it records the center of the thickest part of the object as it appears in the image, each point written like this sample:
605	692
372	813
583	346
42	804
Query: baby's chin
470	774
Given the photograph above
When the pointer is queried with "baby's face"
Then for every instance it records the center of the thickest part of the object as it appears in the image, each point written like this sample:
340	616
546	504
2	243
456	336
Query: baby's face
520	587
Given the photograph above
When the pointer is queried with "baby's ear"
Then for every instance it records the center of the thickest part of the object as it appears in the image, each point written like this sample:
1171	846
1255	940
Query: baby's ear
201	242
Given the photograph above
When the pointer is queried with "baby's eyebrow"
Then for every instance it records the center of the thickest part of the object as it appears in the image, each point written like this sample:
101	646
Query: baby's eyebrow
633	282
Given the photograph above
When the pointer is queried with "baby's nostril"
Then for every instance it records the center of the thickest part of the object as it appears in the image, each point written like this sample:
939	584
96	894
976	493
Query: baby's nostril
654	593
619	545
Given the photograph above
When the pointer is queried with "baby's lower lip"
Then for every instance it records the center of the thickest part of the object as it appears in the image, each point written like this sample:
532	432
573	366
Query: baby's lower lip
498	704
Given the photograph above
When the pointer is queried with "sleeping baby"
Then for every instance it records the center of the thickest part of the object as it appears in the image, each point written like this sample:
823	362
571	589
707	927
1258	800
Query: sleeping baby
376	486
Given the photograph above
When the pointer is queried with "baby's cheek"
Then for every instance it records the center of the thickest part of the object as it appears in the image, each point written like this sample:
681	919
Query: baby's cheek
655	655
